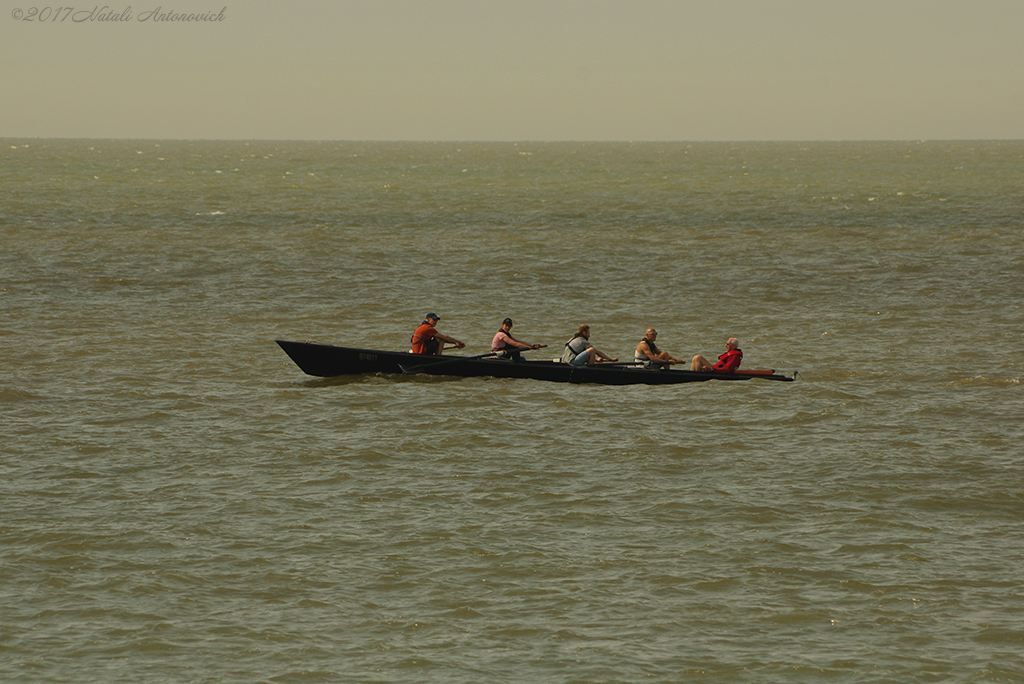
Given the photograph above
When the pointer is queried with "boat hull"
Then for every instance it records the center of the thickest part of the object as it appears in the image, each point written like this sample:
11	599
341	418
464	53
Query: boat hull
326	361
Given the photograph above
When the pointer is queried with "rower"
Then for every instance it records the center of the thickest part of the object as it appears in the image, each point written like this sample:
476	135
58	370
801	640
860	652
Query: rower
508	346
579	352
426	339
648	355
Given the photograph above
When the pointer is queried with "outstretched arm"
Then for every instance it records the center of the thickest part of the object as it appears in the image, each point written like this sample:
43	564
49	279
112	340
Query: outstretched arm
521	345
450	340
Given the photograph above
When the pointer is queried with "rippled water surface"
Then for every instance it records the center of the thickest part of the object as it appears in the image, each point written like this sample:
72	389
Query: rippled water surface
182	504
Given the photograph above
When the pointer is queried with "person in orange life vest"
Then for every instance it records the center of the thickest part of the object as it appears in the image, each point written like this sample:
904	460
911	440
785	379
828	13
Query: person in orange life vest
509	346
426	339
727	362
648	355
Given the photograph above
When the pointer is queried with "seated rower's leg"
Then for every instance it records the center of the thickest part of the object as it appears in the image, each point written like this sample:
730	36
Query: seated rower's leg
699	363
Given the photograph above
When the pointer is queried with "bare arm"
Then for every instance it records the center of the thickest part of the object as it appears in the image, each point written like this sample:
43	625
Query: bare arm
521	345
450	340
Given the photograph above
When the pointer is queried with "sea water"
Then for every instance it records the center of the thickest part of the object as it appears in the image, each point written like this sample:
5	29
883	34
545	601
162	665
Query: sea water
181	504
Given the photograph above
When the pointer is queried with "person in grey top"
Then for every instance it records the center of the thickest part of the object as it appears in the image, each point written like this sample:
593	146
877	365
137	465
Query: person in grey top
578	350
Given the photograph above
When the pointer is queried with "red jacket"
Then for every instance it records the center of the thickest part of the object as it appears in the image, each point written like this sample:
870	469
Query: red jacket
729	361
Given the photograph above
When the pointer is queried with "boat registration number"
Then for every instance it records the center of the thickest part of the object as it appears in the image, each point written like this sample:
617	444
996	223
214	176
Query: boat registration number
367	357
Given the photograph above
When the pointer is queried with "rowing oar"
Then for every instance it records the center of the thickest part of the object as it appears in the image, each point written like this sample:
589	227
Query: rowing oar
419	369
413	370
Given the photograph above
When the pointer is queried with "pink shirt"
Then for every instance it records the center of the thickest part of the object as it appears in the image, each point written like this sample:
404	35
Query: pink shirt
499	340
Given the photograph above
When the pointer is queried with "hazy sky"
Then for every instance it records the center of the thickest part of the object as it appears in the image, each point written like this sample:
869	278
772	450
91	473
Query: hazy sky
519	70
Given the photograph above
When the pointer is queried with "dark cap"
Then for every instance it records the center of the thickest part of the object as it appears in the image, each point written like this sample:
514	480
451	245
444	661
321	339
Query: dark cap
434	316
507	321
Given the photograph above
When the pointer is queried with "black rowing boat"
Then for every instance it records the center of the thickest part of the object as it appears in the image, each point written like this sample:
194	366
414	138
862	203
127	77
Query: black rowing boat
326	361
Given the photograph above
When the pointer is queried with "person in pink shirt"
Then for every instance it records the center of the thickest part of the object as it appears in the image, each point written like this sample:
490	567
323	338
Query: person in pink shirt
509	346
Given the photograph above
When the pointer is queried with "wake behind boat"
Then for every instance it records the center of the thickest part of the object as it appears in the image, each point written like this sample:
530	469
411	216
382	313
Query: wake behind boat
326	361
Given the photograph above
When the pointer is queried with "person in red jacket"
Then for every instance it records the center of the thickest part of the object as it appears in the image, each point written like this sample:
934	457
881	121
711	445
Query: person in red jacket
426	339
727	362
